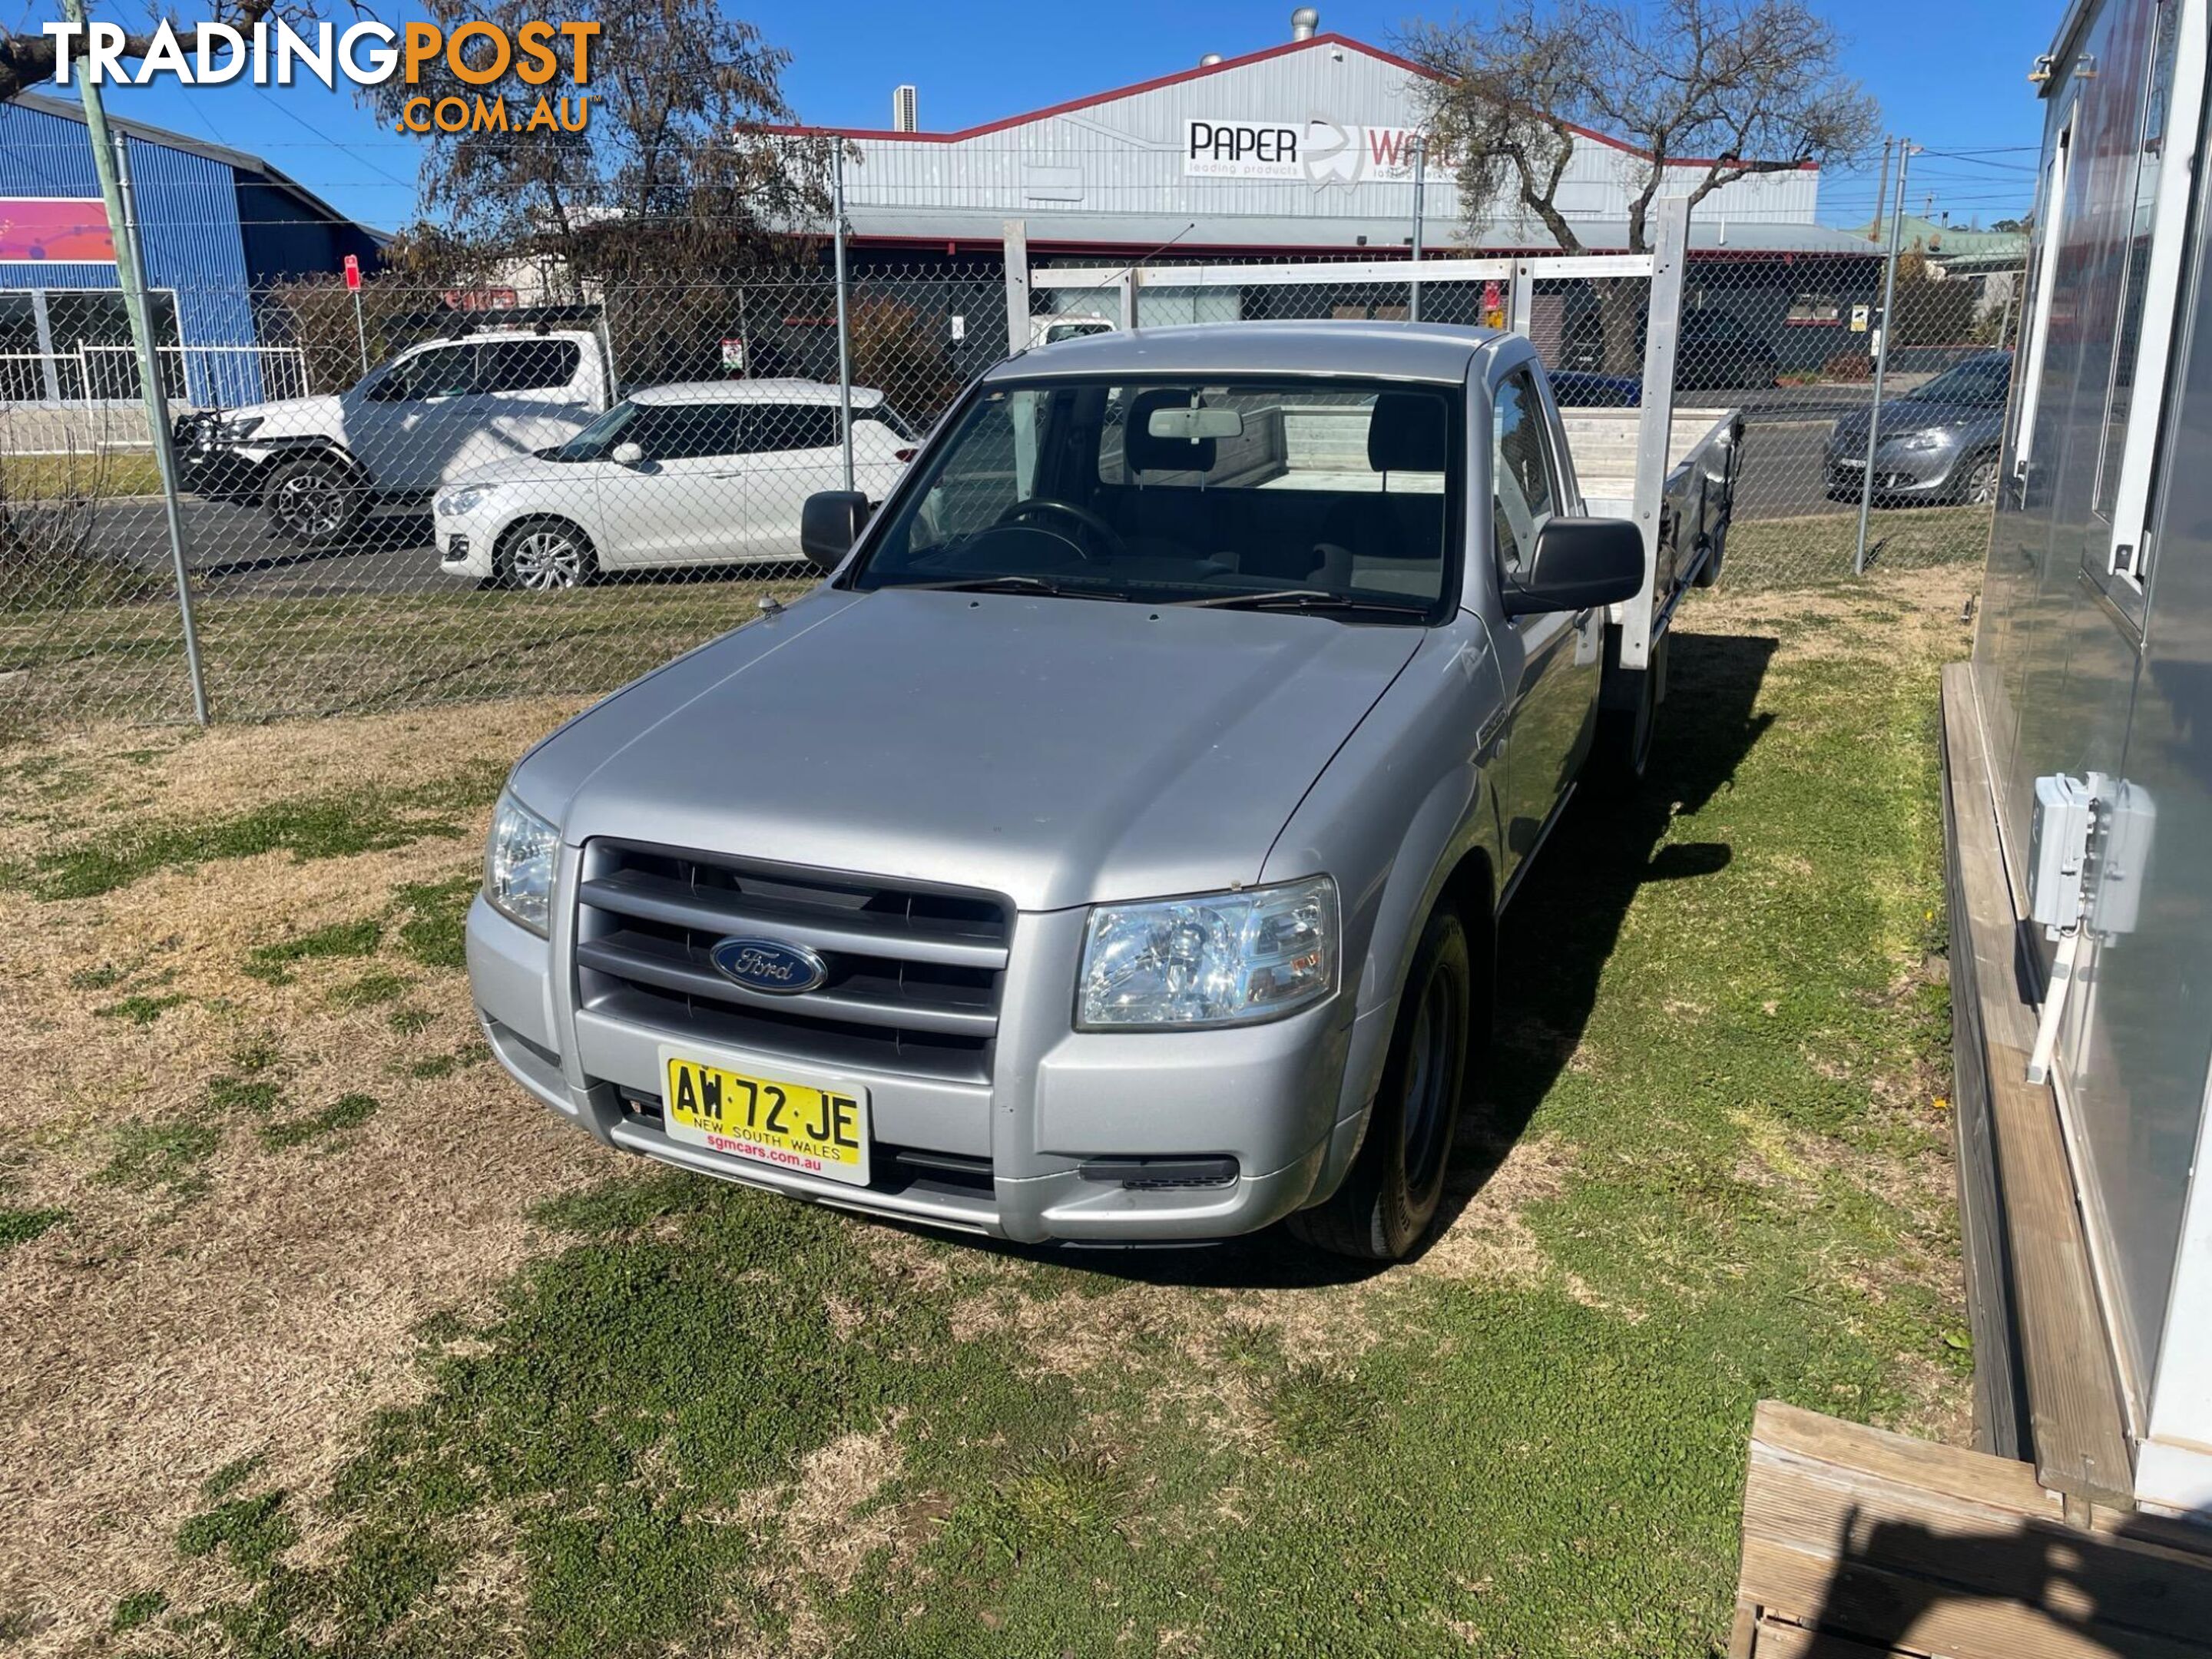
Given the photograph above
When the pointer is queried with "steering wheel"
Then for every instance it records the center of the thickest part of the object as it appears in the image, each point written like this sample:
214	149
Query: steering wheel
1109	536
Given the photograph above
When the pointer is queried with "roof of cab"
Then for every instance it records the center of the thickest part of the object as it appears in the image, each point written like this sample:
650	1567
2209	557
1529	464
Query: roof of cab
751	391
1398	351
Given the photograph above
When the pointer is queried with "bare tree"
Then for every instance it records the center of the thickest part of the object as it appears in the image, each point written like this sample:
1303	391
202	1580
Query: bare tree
28	60
672	175
1748	86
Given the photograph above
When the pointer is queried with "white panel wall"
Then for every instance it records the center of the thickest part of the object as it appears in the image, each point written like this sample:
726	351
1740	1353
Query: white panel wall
1128	156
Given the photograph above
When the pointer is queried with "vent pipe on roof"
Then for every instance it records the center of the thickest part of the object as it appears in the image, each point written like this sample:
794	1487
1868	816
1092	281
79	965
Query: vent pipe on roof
1303	22
1209	60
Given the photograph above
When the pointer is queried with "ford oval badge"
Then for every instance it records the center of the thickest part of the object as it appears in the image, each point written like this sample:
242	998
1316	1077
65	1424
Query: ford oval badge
769	965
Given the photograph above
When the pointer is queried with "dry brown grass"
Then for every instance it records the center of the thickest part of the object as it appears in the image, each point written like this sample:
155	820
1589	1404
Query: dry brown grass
159	1335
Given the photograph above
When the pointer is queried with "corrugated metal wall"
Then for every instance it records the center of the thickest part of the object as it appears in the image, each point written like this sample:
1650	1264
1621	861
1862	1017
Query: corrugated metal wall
188	213
1126	155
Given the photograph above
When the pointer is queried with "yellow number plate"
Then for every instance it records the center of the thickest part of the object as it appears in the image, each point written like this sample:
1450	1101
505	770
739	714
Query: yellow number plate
812	1130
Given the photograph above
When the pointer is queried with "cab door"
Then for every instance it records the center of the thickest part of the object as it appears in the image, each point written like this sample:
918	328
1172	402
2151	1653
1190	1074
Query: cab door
684	501
410	424
1549	663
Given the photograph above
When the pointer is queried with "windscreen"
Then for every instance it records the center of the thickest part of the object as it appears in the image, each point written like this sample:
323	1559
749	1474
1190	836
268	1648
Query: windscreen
1159	492
1979	382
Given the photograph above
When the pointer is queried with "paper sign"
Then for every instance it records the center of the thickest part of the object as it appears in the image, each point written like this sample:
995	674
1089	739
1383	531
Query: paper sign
733	354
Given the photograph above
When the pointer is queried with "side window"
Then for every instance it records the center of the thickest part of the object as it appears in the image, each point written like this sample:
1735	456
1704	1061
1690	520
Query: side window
688	432
1525	491
529	365
440	371
774	427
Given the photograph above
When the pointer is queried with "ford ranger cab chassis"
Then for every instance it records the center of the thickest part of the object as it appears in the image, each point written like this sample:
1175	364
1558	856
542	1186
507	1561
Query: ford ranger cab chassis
1109	849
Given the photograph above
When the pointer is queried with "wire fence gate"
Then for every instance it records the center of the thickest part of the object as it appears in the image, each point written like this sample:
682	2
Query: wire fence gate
400	498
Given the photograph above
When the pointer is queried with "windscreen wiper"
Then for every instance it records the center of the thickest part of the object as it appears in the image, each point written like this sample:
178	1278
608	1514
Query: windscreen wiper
1300	598
1007	584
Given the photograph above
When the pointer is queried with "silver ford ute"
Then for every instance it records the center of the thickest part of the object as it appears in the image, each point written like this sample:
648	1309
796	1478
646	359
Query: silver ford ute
1109	849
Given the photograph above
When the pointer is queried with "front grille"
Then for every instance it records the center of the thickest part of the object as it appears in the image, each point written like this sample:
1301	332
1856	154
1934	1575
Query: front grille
914	970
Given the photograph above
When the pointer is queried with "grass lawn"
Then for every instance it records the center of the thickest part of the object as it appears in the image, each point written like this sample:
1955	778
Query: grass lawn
111	473
1766	553
357	652
330	1343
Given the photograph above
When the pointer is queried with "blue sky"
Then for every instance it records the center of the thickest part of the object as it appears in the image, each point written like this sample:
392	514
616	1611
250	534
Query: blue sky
1951	73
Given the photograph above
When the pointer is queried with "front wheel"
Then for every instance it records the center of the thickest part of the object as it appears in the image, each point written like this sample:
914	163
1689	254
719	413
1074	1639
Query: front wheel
544	556
314	501
1981	486
1389	1198
1625	733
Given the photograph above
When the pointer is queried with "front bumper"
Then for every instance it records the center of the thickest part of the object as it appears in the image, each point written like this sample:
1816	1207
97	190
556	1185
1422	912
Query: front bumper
222	472
465	542
1906	474
1012	1149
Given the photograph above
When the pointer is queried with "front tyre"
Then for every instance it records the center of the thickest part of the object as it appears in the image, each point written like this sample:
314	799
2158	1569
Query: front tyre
1390	1196
314	501
544	556
1625	734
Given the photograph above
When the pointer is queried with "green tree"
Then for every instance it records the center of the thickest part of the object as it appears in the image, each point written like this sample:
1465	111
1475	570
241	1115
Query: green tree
676	174
1753	85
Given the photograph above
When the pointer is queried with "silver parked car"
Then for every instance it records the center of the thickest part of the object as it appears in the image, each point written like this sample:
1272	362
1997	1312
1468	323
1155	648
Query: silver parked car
1111	848
1939	440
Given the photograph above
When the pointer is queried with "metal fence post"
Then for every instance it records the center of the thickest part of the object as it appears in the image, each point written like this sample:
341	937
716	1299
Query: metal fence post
1017	286
844	313
131	274
1882	360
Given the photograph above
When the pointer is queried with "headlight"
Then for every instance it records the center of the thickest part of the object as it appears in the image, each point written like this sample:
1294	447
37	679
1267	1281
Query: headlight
453	503
230	430
1218	959
519	864
1923	441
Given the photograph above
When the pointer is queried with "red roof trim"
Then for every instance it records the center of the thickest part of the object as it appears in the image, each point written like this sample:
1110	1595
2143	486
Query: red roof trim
1265	53
1318	254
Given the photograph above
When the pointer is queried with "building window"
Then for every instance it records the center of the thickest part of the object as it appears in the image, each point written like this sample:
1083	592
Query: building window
1816	310
23	369
72	345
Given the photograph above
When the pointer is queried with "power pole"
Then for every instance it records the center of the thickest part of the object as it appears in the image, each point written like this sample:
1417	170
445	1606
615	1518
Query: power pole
1421	179
1881	194
1882	357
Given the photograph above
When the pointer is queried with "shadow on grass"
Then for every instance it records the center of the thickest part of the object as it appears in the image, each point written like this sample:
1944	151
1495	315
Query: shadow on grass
1557	935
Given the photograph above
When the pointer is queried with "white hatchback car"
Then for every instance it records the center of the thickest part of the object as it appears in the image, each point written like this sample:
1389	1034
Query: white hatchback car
707	472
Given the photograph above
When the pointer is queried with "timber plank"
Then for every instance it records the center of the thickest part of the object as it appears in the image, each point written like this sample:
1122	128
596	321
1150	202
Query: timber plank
1888	1609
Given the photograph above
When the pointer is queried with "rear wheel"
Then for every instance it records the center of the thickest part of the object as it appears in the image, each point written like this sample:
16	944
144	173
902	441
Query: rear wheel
1390	1196
314	501
544	556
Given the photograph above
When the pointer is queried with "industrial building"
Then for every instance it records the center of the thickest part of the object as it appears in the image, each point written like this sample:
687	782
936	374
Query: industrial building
216	226
1307	150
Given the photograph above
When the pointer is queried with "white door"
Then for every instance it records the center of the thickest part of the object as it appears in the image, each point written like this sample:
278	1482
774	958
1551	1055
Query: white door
684	502
408	424
792	452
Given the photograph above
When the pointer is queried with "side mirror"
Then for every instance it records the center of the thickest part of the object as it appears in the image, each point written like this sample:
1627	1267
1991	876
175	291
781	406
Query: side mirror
626	453
1579	563
828	525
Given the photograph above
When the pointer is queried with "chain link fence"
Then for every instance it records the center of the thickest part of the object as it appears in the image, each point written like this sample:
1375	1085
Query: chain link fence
413	495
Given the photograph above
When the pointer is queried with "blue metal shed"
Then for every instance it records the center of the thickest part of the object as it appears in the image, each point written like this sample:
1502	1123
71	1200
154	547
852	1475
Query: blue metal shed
216	227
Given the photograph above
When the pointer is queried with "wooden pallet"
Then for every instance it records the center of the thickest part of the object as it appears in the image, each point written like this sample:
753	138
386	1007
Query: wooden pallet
1857	1542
